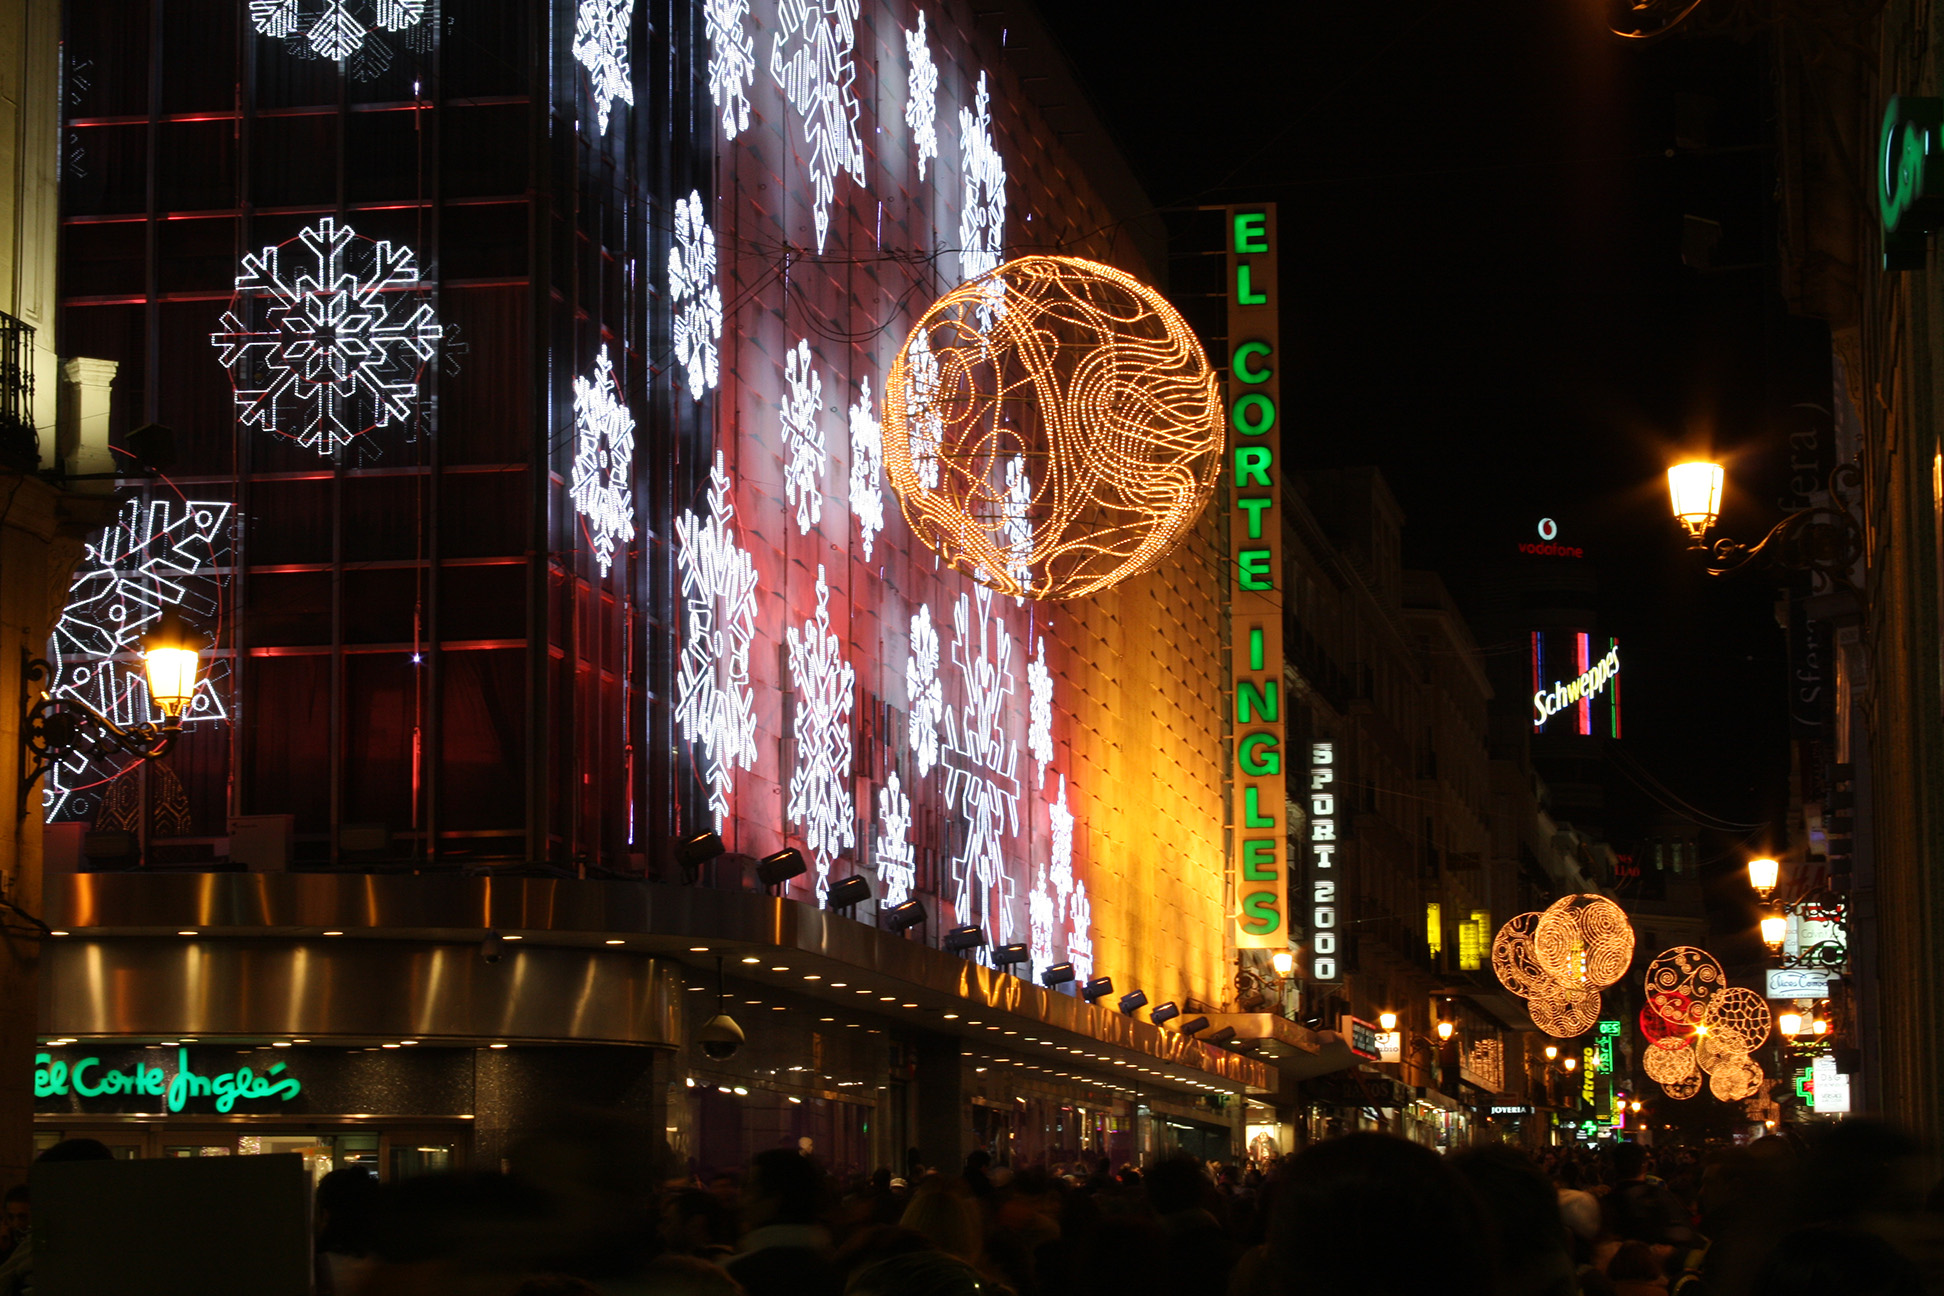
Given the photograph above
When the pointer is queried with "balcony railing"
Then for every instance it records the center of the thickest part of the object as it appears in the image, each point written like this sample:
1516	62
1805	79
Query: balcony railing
19	446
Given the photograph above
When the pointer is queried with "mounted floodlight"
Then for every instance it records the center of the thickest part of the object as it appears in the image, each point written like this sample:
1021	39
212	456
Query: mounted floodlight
1164	1012
960	939
1221	1036
775	870
1194	1026
693	852
1008	955
850	893
1132	1001
1098	988
905	916
1058	974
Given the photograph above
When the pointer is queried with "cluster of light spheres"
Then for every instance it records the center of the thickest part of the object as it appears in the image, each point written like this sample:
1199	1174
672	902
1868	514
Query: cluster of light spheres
1090	389
1699	1029
1559	959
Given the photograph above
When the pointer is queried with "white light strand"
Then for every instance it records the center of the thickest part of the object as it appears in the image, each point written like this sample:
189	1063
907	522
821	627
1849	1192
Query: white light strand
897	861
1080	934
601	45
921	94
924	690
981	763
982	213
333	34
1040	922
820	784
805	458
326	362
1039	713
696	295
866	469
1060	870
715	704
603	482
927	420
818	77
732	62
1019	523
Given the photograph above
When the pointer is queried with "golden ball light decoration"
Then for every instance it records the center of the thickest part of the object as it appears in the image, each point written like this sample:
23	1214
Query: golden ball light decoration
1680	981
1667	1065
1584	940
1563	1012
1052	428
1512	958
1738	1020
1686	1087
1737	1077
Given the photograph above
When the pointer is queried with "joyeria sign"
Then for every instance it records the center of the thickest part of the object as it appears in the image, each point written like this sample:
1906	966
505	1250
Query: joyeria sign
1910	179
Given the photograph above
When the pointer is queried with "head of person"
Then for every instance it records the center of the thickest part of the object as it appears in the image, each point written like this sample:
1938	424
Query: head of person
947	1221
695	1220
1830	1260
1635	1262
1629	1161
1177	1184
921	1273
347	1206
783	1186
17	1213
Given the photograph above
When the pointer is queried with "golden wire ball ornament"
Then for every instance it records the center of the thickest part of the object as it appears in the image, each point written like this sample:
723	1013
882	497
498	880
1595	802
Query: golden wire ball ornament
1667	1065
1736	1078
1686	1087
1680	982
1584	940
1659	1032
1512	960
1563	1011
1738	1018
1712	1050
1052	428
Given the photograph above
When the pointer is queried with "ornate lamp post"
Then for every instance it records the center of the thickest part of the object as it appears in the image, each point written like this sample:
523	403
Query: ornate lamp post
1824	539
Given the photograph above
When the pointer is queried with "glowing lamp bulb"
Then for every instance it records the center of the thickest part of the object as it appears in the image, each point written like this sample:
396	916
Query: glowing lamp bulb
1774	927
171	660
1571	1064
1283	961
1634	1105
1444	1030
1696	492
1762	875
1819	1026
1789	1024
1387	1020
1552	1052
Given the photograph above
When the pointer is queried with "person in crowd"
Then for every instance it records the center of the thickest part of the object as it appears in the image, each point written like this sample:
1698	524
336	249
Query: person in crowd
346	1206
1533	1255
785	1249
695	1222
923	1273
1635	1270
1837	1260
1198	1251
17	1273
947	1219
13	1227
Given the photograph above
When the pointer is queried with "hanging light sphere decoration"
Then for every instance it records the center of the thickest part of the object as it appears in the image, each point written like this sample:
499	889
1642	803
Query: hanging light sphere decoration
1584	940
1681	981
1668	1066
1738	1019
1052	428
1512	960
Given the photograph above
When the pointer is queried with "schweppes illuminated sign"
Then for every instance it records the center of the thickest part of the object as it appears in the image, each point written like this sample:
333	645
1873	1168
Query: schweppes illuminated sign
1259	814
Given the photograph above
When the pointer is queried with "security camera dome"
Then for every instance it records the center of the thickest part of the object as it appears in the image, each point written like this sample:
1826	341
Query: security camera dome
720	1037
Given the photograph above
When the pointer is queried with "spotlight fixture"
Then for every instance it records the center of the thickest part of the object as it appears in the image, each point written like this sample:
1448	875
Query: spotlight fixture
1164	1012
1194	1026
900	917
694	852
851	892
1221	1036
960	939
775	870
1132	1001
1009	955
1098	988
1058	974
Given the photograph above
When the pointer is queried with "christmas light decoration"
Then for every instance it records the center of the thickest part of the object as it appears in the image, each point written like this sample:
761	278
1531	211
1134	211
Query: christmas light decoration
818	76
325	28
715	706
1091	377
866	469
157	555
696	296
1060	851
820	784
1584	940
603	482
924	690
804	456
1039	714
981	760
1040	922
1563	1012
1738	1018
1668	1065
1080	934
601	45
1686	1087
1736	1079
1512	958
982	212
1680	981
732	62
1019	523
318	350
1561	989
897	862
921	94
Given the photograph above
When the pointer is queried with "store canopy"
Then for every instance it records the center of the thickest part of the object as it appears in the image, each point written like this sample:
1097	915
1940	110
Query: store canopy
1294	1050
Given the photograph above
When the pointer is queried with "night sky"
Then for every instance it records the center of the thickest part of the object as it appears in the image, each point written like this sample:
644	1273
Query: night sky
1484	296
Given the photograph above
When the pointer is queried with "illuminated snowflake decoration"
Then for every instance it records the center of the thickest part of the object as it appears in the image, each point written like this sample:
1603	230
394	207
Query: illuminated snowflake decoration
1039	715
1040	924
1018	523
866	469
698	298
981	761
982	213
921	94
927	432
732	62
601	45
924	689
715	706
157	555
818	77
1080	934
804	457
897	860
820	785
1060	870
326	28
603	483
318	350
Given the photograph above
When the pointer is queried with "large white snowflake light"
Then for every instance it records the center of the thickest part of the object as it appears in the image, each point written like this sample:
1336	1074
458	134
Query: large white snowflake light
326	28
897	861
982	212
732	62
1060	856
318	350
820	802
924	689
981	762
715	706
866	469
1039	714
698	298
927	420
921	94
155	556
805	458
601	45
603	484
1080	934
1040	924
818	76
1019	522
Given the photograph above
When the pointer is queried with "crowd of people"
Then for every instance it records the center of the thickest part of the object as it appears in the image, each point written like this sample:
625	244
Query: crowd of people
580	1211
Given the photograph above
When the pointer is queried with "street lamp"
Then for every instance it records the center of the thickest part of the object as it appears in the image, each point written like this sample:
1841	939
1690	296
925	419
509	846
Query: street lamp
1445	1028
1696	492
1774	928
1788	1024
1387	1020
1570	1063
1283	961
1824	538
1762	875
1552	1052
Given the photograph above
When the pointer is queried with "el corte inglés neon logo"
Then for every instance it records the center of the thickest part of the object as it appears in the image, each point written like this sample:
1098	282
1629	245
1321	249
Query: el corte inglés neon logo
54	1078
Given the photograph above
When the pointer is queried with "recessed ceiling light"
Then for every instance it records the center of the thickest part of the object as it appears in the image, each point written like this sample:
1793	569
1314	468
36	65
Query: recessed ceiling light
496	1046
811	976
185	933
951	1016
615	941
779	969
57	933
408	1041
752	960
907	1005
698	949
887	998
511	936
388	1046
839	985
334	933
279	1043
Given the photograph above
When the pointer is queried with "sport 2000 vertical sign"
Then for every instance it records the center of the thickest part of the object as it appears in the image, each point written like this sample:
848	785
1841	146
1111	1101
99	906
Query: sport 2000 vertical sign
1255	599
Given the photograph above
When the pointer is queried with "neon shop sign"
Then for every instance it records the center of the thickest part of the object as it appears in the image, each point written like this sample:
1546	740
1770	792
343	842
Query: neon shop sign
1323	844
89	1077
1577	693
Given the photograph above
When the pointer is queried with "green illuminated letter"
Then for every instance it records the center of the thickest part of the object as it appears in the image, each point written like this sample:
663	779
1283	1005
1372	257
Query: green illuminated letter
1254	413
1260	700
1255	648
1259	860
1253	505
1252	465
1259	913
1252	816
1252	570
1250	754
1239	363
1245	294
1250	232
